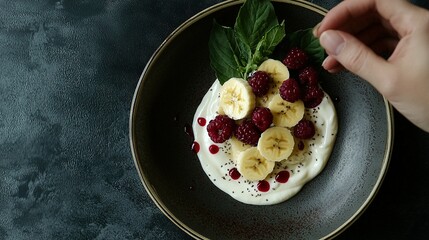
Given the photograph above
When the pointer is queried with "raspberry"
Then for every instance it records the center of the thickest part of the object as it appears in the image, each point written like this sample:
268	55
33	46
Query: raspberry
290	90
221	128
248	133
262	118
312	96
304	129
260	83
308	76
296	58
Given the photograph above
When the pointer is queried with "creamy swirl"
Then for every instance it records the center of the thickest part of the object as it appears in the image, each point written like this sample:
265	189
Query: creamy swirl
218	164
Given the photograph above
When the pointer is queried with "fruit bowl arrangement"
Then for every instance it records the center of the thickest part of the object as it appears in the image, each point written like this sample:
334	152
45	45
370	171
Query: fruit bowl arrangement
163	134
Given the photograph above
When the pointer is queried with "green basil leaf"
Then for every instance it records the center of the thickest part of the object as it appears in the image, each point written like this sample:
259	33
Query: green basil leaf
254	19
271	39
224	53
268	43
246	56
309	43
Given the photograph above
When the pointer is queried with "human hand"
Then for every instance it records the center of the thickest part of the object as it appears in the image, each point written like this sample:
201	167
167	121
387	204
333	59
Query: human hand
357	33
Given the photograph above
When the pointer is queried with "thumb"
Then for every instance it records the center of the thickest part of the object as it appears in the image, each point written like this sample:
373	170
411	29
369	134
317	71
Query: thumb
354	56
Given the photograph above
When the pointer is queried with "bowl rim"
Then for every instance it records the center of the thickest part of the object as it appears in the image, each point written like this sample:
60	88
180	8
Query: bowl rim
152	191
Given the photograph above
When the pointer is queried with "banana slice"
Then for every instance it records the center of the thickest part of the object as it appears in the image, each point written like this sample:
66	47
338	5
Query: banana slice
278	73
299	153
286	114
237	147
266	99
276	143
237	100
276	69
253	166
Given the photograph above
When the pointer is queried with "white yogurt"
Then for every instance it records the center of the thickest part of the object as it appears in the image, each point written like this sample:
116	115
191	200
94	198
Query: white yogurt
218	165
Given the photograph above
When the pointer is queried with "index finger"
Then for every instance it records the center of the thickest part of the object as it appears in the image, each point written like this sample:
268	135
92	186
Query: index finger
345	16
399	14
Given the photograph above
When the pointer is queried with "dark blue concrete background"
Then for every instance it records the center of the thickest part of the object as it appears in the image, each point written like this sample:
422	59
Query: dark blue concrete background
68	70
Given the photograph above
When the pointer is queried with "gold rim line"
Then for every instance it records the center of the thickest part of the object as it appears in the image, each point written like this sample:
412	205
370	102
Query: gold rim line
152	191
305	4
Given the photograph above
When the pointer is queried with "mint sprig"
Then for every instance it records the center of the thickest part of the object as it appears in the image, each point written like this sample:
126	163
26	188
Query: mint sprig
235	52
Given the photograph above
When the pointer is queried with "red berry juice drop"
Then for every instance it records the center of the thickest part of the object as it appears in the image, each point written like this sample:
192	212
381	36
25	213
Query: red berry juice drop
234	173
283	176
213	149
195	147
201	121
263	186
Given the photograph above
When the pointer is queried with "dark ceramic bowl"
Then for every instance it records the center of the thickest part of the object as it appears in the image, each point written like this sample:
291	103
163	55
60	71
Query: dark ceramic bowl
168	93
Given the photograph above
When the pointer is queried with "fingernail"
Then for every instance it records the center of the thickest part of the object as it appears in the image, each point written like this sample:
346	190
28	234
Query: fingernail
332	42
323	63
315	30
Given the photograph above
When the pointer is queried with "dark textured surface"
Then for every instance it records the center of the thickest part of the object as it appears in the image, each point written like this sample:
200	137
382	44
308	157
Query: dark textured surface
174	175
68	70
